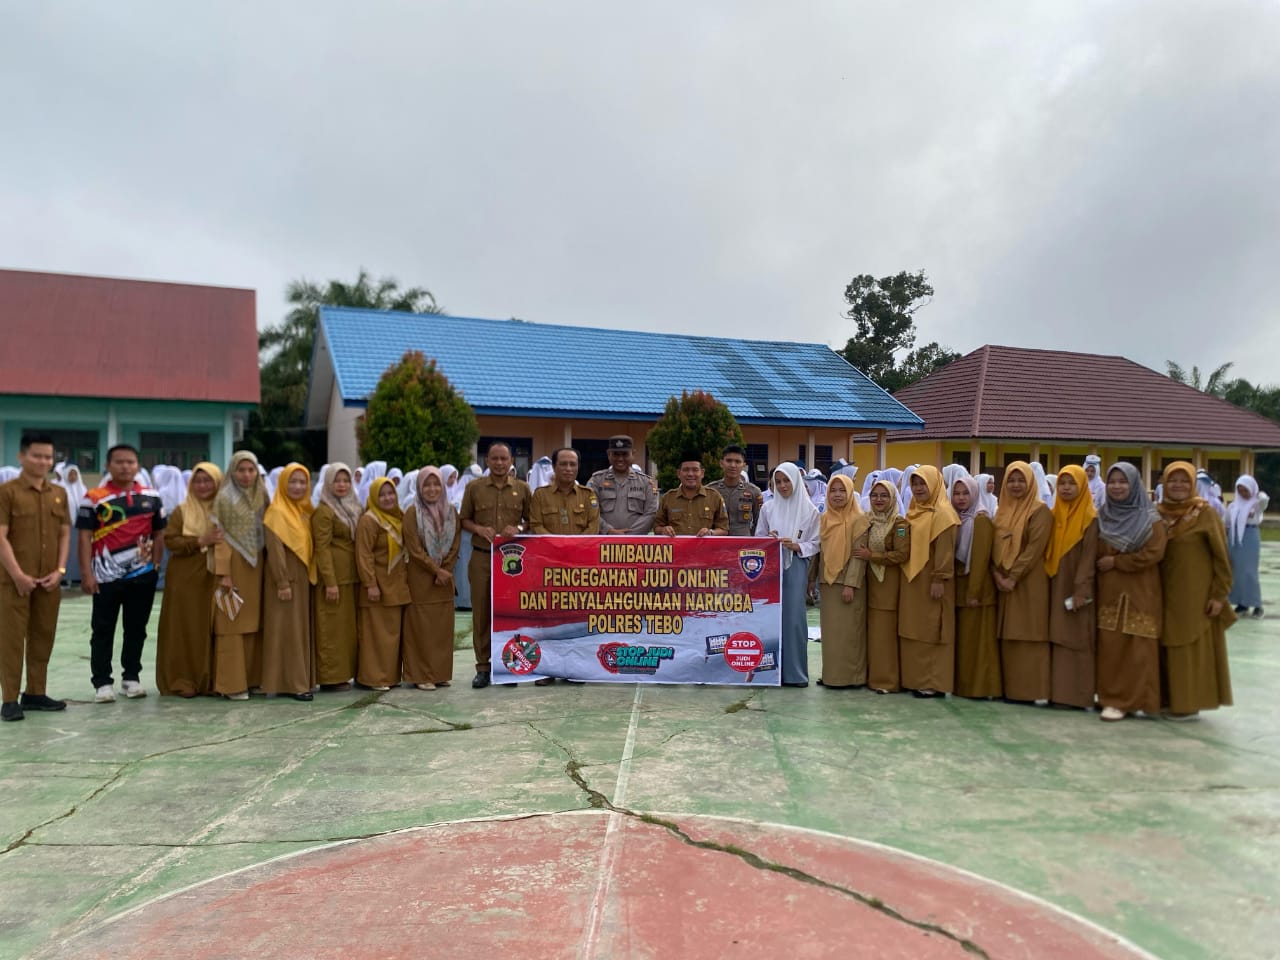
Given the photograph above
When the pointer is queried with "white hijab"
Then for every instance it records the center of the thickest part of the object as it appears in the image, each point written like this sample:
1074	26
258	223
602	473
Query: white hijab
1097	486
407	489
1042	484
75	488
271	479
786	514
989	500
453	484
319	487
1245	511
372	471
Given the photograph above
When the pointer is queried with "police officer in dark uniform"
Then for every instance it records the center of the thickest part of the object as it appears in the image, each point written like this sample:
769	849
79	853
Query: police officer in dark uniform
628	498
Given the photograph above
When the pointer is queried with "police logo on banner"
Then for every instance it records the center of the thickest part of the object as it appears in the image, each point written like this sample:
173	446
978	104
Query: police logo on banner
512	559
751	562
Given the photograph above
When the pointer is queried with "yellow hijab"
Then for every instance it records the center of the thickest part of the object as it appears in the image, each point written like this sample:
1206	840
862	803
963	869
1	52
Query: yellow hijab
1070	520
290	519
838	529
928	518
389	520
1012	514
197	514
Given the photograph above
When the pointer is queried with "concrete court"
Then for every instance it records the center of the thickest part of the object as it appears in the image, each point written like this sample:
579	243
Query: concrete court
1166	834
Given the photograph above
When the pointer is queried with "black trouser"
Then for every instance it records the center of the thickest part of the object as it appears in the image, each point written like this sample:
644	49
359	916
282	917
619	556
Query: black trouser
135	597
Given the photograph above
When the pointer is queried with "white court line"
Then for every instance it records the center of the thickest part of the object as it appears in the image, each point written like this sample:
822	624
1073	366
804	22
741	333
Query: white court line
612	839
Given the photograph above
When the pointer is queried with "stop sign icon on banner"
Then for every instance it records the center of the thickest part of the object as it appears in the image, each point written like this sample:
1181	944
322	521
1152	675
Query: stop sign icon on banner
743	652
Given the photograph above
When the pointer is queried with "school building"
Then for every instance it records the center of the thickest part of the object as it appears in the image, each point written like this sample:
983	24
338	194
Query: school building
543	386
1000	404
170	368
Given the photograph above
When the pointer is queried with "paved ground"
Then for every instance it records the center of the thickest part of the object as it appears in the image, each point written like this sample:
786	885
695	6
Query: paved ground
616	821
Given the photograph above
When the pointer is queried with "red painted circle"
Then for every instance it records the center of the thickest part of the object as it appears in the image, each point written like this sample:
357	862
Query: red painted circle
743	652
598	885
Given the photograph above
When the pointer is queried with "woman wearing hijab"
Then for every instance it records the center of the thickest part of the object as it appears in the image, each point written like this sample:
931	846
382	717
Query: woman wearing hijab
987	494
1097	489
376	470
1023	527
841	585
791	518
432	536
319	486
333	532
1244	541
1070	563
384	583
977	649
927	590
865	500
1131	545
886	548
68	475
288	645
454	485
184	639
1196	581
407	489
237	563
1205	490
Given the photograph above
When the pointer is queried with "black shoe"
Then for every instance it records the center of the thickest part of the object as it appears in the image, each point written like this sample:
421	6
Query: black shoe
544	681
802	683
481	681
1241	608
304	697
38	701
1257	613
11	711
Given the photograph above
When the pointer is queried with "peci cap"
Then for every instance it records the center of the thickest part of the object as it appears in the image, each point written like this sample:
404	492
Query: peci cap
619	442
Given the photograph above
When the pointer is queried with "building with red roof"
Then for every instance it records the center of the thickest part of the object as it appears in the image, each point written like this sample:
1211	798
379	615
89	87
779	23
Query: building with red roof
1000	404
170	368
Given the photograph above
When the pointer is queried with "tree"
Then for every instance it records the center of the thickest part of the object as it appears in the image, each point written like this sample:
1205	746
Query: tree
275	431
695	425
415	417
883	311
1216	385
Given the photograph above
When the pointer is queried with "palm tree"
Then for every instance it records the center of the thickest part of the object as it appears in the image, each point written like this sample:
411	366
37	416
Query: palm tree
1216	385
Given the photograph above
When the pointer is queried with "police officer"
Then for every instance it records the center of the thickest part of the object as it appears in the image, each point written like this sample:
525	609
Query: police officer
691	510
742	498
628	498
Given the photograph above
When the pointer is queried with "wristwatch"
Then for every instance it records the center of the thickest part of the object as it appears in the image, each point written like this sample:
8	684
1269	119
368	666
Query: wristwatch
62	569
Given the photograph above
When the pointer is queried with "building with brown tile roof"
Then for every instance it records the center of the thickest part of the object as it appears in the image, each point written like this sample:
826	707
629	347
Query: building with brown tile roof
999	404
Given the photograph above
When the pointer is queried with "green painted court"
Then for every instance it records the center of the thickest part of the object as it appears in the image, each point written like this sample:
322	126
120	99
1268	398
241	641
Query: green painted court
615	821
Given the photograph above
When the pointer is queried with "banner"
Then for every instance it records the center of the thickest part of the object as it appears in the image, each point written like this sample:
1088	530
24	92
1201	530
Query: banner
638	609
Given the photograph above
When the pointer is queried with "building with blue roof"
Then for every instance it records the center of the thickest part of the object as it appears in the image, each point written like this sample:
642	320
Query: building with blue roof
542	386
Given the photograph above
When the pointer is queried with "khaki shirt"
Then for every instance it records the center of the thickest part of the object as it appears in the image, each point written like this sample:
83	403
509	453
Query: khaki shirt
628	503
576	512
742	503
35	519
688	515
486	504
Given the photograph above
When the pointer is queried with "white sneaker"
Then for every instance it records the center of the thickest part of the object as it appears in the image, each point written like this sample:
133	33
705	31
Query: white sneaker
242	695
425	686
133	689
1112	713
106	694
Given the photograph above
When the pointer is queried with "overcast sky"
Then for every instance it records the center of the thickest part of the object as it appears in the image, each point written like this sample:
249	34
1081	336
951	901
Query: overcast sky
1096	176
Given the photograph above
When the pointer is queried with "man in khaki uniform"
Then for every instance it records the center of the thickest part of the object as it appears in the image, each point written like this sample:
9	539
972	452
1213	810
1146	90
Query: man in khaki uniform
566	506
628	498
691	510
742	498
492	506
35	536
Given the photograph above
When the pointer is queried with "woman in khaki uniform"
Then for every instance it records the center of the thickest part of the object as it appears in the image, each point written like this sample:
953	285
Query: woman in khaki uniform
288	647
333	532
927	590
1023	527
237	563
432	537
384	582
184	638
884	548
1196	581
842	588
977	649
1130	603
1070	564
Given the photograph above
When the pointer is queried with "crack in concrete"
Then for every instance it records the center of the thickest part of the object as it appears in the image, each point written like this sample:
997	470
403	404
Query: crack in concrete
128	765
744	704
573	769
